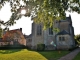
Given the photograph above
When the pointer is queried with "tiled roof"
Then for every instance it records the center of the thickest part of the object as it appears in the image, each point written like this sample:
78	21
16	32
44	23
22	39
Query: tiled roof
13	33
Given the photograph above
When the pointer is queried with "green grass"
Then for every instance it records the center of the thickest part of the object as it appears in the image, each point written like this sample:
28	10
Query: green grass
77	57
53	55
24	54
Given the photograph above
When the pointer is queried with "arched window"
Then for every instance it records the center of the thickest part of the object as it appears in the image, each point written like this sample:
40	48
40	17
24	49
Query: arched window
39	30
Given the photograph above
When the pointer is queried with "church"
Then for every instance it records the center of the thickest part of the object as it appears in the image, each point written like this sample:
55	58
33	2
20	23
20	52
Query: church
64	39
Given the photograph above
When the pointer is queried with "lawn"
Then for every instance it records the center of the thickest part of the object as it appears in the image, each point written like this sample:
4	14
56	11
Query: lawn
24	54
77	57
53	55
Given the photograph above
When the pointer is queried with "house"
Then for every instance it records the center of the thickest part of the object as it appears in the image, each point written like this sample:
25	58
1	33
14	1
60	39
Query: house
64	39
2	42
28	40
14	37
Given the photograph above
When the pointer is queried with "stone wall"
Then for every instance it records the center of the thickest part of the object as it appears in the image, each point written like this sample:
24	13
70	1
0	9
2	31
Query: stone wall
64	26
66	44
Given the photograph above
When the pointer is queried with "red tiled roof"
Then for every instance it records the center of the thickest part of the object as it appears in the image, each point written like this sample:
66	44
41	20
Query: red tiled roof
12	33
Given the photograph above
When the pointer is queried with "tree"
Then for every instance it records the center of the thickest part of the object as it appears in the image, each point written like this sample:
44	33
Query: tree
44	11
77	39
1	32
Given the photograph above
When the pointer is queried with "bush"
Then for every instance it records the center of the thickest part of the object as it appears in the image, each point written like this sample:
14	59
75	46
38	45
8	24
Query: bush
12	47
71	49
40	47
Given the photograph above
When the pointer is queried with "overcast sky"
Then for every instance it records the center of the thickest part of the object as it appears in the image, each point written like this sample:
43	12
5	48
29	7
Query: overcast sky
25	22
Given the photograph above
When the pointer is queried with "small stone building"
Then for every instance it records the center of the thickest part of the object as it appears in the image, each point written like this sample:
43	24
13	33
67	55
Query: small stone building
28	41
64	40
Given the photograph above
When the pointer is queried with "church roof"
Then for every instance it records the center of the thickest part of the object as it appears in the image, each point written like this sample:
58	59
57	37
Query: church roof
63	33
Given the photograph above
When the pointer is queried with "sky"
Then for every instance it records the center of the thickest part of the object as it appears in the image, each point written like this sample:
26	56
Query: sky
26	24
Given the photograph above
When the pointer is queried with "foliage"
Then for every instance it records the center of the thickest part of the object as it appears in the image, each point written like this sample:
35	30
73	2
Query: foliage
8	46
1	32
77	38
40	47
24	54
44	11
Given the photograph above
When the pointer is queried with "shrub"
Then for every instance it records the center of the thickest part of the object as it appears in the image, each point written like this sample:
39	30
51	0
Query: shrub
71	49
40	47
12	47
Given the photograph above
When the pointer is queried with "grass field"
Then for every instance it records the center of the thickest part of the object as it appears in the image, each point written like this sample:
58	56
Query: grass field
77	57
24	54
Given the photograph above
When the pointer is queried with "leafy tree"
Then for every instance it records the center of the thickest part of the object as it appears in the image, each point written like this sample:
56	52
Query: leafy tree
44	11
1	32
77	39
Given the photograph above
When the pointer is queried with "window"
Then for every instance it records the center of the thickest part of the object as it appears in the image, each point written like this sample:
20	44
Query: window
39	30
61	38
50	31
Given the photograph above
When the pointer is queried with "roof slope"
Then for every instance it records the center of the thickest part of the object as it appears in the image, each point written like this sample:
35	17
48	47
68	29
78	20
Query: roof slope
63	32
10	35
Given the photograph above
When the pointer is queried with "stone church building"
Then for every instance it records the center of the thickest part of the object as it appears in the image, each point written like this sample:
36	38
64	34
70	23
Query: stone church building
64	39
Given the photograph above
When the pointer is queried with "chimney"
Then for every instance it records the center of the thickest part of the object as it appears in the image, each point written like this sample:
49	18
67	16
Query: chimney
21	29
